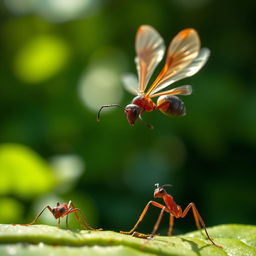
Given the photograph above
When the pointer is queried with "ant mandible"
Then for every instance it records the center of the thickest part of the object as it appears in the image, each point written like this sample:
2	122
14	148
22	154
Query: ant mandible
173	209
62	210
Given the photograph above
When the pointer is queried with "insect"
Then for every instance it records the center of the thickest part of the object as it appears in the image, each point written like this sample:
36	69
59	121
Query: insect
62	210
174	210
184	59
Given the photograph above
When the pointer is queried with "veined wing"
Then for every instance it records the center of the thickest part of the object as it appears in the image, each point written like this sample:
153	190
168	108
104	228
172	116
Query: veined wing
188	71
181	90
130	83
150	50
182	50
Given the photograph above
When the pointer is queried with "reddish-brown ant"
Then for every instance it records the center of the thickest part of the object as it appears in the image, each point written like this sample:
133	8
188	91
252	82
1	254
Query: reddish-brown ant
174	210
62	210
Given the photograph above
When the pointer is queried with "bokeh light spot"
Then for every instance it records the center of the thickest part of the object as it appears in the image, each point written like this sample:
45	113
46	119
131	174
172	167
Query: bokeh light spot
98	86
68	169
23	172
101	82
63	10
55	10
41	58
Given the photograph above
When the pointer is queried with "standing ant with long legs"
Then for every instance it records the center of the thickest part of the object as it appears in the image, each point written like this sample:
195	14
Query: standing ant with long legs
173	209
62	210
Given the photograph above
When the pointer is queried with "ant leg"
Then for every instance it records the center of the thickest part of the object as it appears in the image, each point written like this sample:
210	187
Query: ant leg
77	217
58	222
70	204
67	214
37	217
148	125
71	208
170	225
67	221
158	221
196	216
143	214
86	224
198	220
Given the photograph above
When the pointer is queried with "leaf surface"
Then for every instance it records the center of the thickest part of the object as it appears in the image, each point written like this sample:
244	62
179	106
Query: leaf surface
49	240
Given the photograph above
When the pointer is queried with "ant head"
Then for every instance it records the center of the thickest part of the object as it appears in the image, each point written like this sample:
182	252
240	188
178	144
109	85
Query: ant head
132	112
58	211
160	191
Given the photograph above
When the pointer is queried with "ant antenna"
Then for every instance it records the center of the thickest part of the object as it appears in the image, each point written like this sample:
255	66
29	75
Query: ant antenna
107	106
150	126
166	185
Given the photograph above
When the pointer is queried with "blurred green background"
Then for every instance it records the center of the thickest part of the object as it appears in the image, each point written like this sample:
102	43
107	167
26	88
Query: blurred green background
61	60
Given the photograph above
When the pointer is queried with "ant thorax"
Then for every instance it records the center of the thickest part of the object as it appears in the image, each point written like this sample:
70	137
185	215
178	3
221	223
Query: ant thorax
169	202
146	104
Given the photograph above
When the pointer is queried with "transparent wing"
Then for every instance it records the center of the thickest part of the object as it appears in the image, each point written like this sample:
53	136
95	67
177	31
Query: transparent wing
150	50
188	71
182	50
181	90
130	83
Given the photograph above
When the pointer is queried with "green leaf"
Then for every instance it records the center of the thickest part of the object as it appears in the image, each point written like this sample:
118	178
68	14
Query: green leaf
49	240
23	172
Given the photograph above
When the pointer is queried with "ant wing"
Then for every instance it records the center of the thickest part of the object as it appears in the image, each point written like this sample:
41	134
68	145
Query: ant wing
130	83
183	49
150	50
188	71
181	90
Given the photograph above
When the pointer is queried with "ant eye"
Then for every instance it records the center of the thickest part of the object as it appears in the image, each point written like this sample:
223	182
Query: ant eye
135	111
62	210
161	191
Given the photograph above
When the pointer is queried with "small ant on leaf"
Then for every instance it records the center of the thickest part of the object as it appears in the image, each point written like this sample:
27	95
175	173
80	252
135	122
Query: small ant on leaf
62	210
173	209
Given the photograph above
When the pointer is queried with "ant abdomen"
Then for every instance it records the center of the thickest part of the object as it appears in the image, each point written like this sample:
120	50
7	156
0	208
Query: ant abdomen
171	105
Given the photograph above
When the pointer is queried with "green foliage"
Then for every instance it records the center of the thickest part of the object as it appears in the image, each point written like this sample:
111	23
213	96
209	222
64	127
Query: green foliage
23	172
43	240
41	58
